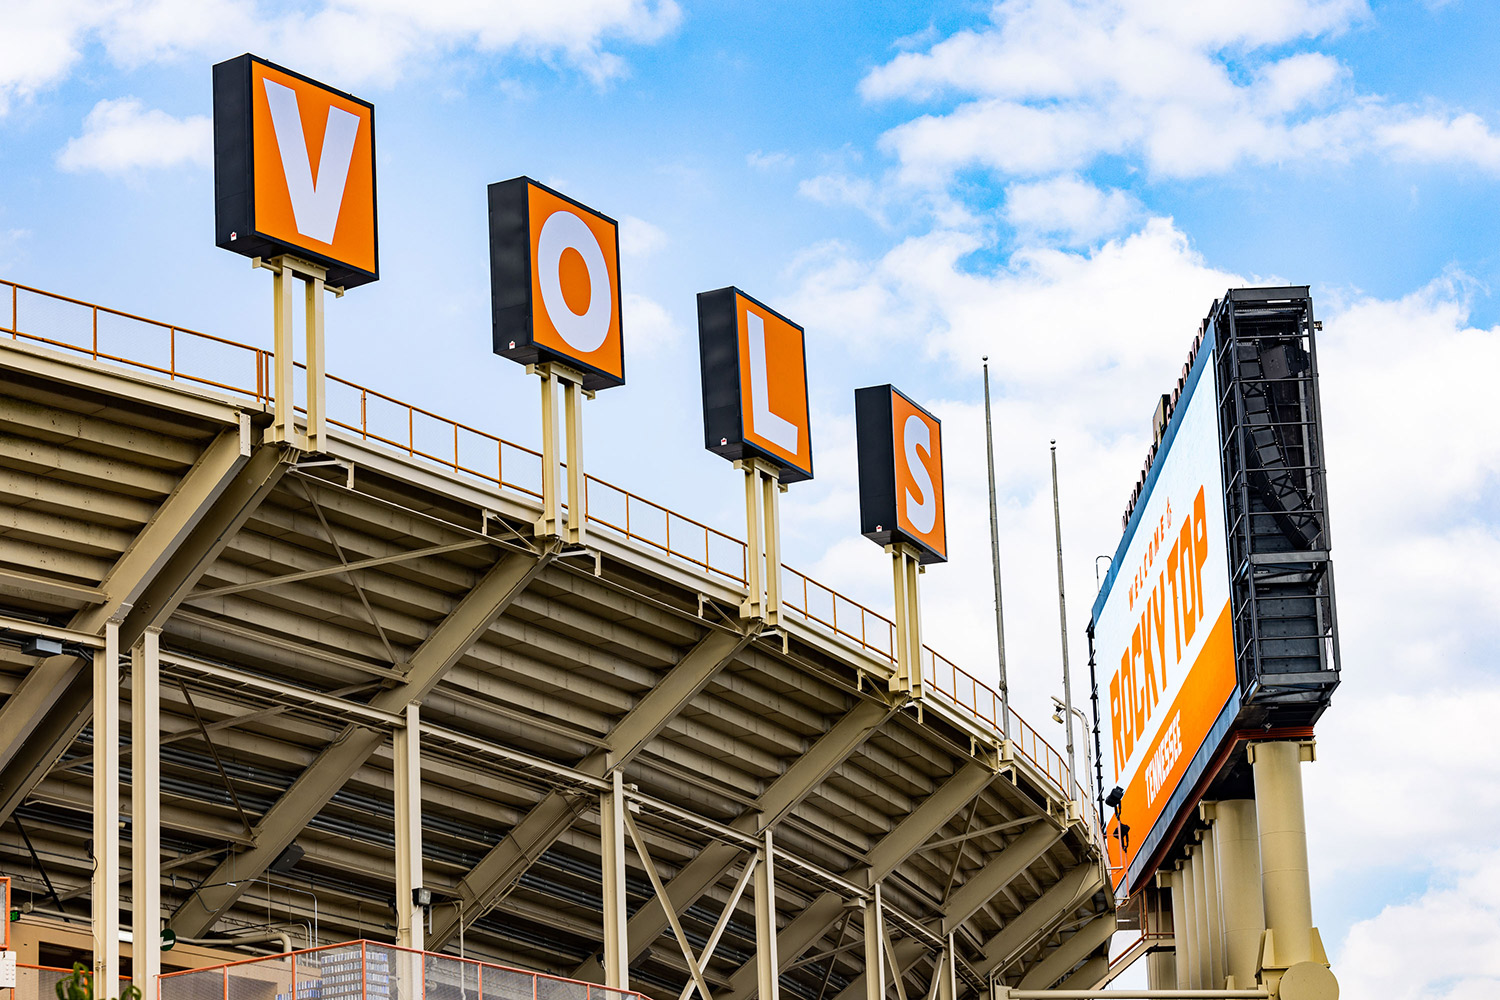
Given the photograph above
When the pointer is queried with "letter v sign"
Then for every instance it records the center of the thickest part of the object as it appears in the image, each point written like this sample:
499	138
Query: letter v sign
315	204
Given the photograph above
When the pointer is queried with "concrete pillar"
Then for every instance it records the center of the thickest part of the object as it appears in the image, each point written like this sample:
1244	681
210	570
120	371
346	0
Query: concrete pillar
407	744
106	880
612	849
145	812
1240	899
1201	948
767	969
1211	908
1190	924
1290	939
1161	966
1180	921
874	948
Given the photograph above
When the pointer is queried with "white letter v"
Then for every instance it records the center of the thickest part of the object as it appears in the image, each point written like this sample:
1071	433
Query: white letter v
315	206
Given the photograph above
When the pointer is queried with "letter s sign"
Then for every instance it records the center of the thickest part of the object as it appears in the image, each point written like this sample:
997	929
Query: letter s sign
900	472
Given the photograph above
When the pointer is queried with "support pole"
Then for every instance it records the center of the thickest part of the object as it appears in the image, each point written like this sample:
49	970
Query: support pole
763	489
145	812
1237	841
1180	926
947	972
286	269
106	880
612	847
1290	938
1161	970
550	523
874	947
989	454
1188	939
906	569
767	968
1201	948
410	932
1211	905
1062	619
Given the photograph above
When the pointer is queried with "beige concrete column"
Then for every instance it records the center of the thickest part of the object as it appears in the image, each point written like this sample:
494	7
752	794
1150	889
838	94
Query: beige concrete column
106	878
1211	906
612	866
1180	921
1290	937
1161	966
145	812
1238	844
1190	924
1201	948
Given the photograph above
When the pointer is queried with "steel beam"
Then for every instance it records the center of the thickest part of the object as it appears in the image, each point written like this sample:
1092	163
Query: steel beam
780	797
888	853
448	642
106	878
45	714
875	957
1075	949
145	810
988	882
768	970
1063	897
612	865
907	951
504	864
407	768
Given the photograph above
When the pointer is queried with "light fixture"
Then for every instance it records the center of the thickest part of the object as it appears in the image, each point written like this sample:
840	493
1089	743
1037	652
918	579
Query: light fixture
1115	796
421	896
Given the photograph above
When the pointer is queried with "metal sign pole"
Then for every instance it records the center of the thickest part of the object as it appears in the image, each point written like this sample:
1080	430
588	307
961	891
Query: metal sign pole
989	454
906	568
1062	616
284	268
550	523
763	488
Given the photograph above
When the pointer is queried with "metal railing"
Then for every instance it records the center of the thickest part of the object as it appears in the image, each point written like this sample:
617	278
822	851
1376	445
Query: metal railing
371	970
104	334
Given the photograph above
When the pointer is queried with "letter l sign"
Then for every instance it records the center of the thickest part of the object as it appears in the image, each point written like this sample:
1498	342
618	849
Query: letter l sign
773	427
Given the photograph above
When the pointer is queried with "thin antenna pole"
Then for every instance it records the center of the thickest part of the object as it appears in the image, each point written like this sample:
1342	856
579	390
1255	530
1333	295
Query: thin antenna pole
989	453
1062	616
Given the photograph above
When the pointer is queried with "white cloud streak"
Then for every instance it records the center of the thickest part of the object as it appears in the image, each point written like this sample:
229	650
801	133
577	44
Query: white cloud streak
353	43
120	136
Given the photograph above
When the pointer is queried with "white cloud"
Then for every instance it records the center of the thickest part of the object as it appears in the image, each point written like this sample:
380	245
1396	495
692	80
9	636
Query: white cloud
353	43
121	135
650	326
774	160
1068	207
639	239
1189	89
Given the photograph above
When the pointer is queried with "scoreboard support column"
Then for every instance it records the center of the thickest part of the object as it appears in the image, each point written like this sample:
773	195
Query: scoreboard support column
571	380
763	489
284	269
906	568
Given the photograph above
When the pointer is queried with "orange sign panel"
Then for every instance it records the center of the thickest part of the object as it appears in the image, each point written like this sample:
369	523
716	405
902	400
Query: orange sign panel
294	169
754	367
900	472
555	282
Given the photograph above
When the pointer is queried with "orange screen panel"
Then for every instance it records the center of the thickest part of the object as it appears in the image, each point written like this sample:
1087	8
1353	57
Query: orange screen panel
773	384
918	440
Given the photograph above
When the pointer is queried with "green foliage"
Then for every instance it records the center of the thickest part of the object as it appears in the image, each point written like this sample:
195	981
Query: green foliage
80	986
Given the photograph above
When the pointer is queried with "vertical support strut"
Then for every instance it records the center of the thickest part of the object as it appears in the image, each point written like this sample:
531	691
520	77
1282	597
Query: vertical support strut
1201	950
767	968
874	947
905	570
1211	898
947	972
1180	920
763	489
106	881
1239	890
1189	932
1290	939
410	932
145	812
285	269
612	847
553	374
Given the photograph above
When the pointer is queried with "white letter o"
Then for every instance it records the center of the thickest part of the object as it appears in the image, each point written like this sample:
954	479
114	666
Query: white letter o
561	232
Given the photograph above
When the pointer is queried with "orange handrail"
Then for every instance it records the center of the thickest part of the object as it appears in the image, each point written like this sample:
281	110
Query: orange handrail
713	551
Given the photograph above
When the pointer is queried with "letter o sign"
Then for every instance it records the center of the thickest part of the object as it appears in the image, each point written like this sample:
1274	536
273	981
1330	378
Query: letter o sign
555	282
585	332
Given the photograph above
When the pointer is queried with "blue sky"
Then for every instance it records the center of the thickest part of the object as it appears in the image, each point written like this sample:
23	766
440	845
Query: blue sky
1063	184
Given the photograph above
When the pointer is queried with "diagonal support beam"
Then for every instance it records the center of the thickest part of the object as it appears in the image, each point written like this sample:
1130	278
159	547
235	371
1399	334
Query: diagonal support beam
1057	902
798	781
661	895
214	499
889	853
504	864
449	641
987	883
907	950
1068	954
